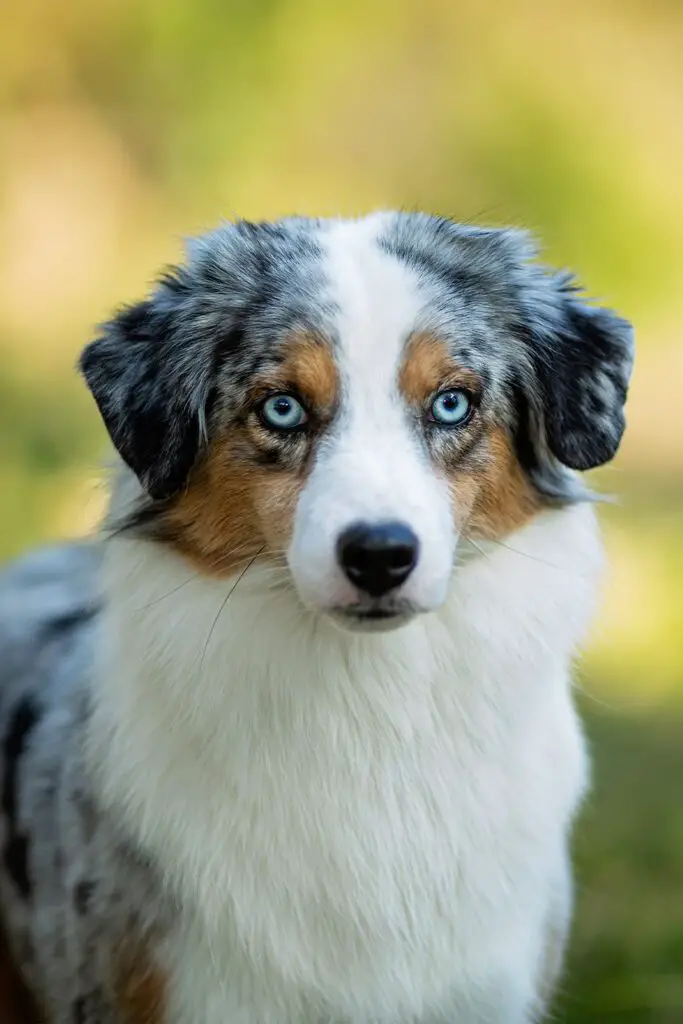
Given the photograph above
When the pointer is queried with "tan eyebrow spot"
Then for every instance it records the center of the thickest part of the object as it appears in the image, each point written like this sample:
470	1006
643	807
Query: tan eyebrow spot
427	366
309	367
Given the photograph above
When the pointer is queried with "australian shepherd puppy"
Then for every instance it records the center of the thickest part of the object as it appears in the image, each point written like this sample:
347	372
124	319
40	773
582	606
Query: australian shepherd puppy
295	743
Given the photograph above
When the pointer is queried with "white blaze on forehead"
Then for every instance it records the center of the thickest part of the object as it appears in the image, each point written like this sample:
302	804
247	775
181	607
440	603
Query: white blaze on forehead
373	465
377	298
378	306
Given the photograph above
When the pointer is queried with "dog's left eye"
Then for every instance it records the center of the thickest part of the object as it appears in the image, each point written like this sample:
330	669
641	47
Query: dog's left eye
451	408
283	412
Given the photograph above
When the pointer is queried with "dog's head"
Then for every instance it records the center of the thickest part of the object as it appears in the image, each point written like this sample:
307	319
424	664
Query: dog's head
354	397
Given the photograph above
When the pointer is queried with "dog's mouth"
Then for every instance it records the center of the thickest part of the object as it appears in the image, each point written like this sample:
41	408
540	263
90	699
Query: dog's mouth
374	618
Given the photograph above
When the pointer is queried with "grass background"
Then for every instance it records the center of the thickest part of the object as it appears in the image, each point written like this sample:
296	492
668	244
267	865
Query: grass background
128	124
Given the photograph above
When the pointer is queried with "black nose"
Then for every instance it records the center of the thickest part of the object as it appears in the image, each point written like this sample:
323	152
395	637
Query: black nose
377	557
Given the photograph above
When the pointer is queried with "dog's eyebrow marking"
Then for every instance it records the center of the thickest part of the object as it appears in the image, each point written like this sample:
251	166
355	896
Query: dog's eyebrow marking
308	366
427	366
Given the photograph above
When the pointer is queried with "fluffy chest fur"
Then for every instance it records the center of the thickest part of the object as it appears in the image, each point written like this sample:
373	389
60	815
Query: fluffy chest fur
358	827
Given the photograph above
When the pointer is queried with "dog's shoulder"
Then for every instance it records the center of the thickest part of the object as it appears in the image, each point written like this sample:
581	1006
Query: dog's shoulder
71	884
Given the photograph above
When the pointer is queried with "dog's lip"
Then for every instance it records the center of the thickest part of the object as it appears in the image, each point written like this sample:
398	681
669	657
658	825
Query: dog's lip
375	615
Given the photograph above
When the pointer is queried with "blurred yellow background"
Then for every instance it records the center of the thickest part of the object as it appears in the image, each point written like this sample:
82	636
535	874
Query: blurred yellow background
128	124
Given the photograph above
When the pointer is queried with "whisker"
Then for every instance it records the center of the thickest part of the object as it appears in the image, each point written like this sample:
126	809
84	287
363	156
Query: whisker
534	558
478	547
224	603
612	708
277	557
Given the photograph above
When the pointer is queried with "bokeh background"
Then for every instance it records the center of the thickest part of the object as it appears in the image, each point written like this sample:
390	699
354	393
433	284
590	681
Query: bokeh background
128	124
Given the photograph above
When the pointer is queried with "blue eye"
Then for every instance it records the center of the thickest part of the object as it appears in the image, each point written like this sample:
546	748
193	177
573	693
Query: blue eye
451	408
283	412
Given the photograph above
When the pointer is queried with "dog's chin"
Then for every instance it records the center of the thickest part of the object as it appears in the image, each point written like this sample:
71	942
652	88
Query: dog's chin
372	619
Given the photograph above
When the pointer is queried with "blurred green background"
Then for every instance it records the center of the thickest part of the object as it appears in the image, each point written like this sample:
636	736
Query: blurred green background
127	124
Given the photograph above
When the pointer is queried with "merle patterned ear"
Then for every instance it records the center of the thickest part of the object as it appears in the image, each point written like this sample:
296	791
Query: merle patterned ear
582	356
150	400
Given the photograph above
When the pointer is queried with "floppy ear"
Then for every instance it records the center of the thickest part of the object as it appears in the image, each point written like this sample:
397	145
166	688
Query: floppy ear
582	358
150	398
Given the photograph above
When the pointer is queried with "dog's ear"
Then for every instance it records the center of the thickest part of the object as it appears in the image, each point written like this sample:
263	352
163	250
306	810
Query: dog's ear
150	395
581	358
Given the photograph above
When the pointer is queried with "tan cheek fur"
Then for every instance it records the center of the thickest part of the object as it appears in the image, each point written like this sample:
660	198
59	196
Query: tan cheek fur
495	498
234	509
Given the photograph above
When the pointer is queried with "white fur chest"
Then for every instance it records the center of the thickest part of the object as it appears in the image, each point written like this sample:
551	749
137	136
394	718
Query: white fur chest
362	884
362	828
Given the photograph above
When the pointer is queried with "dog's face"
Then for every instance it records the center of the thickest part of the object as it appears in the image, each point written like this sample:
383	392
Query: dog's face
355	398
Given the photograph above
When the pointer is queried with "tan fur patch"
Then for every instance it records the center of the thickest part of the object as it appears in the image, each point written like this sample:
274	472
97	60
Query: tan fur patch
501	498
233	508
309	368
428	367
140	989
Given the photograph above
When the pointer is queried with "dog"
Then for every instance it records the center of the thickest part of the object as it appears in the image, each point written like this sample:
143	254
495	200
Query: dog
294	741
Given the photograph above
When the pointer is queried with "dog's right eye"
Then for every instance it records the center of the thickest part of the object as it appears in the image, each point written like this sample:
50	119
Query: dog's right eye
283	412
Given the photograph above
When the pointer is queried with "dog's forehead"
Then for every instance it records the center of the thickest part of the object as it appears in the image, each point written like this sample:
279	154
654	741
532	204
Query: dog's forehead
366	286
377	299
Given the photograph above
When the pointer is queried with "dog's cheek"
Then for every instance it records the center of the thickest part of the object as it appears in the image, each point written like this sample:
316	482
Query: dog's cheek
502	498
214	522
276	498
491	496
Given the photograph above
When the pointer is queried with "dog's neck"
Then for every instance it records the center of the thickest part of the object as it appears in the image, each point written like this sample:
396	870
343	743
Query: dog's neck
208	688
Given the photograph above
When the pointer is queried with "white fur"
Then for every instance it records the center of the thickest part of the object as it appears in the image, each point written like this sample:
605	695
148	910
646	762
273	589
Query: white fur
373	446
360	828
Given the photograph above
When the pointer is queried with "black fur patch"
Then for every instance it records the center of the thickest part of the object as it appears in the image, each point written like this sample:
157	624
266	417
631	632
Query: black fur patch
63	625
83	893
153	424
15	860
15	854
583	368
